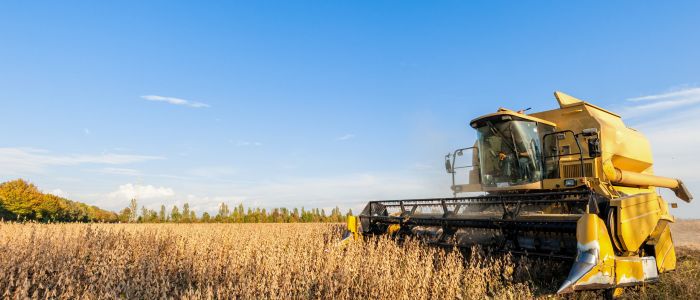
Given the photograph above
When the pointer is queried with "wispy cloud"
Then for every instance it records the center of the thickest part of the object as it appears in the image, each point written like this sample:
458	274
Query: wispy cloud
138	173
673	94
121	171
656	103
248	144
670	120
345	137
674	145
175	101
18	161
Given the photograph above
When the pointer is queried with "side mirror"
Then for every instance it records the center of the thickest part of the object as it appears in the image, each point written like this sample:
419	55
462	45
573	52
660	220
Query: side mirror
594	147
448	164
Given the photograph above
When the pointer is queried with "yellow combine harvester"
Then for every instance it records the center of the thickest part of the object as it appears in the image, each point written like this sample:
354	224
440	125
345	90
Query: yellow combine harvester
573	182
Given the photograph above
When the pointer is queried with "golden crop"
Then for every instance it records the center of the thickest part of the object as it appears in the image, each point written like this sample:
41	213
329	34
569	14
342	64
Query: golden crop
249	261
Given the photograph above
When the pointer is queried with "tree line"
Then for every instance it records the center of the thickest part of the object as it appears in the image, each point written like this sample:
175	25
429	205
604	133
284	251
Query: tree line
23	201
239	214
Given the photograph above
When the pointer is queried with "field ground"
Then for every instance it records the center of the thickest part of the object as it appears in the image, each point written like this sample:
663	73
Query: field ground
281	261
686	233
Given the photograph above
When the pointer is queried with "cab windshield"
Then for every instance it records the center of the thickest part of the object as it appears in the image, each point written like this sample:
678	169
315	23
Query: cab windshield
510	152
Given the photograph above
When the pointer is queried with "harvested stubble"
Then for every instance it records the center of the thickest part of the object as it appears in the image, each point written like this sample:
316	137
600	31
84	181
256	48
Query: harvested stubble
249	261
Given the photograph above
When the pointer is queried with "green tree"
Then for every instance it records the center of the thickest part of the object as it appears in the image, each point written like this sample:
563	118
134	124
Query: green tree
175	215
162	215
186	212
206	218
237	214
295	216
223	214
125	215
133	206
144	214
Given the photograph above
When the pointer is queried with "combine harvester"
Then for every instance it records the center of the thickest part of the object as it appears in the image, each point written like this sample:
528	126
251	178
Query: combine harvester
572	182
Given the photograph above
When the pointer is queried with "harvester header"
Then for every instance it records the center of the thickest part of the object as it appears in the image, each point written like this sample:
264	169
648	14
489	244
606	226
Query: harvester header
573	182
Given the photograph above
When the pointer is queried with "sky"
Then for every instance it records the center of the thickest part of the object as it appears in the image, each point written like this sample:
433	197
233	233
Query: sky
319	103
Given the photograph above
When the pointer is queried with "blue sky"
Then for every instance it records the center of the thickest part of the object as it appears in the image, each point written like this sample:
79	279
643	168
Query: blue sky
318	103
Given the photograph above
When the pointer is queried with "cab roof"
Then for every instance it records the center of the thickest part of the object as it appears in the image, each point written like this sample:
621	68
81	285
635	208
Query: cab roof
514	116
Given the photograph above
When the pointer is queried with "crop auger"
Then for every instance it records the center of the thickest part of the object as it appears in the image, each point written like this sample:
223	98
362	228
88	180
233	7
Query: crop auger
573	182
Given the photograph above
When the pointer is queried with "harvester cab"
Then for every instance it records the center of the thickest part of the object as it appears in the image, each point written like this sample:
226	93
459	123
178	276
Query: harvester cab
572	183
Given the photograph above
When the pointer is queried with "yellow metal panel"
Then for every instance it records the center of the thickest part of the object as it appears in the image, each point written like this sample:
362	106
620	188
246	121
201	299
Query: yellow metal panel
591	230
637	217
592	236
626	148
633	200
664	251
628	190
628	270
565	99
353	223
665	213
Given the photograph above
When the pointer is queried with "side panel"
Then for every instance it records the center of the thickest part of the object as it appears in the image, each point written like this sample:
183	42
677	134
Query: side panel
632	270
594	267
664	250
353	226
637	217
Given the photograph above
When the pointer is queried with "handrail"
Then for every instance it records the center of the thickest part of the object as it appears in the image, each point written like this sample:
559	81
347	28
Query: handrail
580	150
454	160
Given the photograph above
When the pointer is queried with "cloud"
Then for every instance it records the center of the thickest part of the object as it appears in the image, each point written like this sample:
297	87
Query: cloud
653	104
18	161
131	191
674	146
346	191
682	93
345	137
175	101
59	193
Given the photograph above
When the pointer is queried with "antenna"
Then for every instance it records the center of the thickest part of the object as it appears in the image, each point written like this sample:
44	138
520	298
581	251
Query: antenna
522	111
